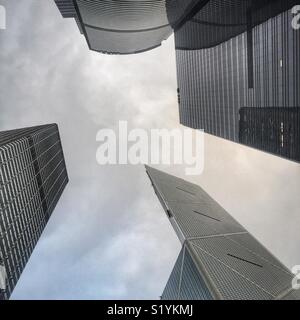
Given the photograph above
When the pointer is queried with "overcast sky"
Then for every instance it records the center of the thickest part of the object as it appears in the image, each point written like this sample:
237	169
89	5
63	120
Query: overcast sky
108	237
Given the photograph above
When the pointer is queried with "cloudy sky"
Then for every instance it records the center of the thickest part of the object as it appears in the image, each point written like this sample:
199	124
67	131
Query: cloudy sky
108	238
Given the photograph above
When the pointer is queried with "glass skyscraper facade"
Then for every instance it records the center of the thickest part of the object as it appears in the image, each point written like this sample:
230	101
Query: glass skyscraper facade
219	258
231	55
33	176
125	27
275	130
236	55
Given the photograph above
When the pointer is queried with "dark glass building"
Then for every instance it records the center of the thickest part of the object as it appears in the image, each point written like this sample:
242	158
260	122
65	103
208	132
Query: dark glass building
275	130
33	176
231	55
236	55
125	27
219	259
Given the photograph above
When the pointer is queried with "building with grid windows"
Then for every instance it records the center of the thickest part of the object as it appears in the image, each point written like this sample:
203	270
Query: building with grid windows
125	27
219	259
275	130
231	55
238	63
33	176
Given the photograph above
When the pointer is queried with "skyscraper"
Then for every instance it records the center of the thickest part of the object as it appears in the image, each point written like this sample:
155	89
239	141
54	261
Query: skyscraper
33	176
124	27
276	130
219	258
236	55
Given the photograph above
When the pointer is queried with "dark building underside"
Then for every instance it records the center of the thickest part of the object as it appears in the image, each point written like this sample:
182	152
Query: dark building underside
234	56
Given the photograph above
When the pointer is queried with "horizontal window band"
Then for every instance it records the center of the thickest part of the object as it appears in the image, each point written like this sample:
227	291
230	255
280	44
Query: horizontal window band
205	215
253	263
124	30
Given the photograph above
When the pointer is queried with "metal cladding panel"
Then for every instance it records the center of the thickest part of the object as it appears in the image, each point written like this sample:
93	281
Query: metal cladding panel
178	192
251	244
231	262
230	284
123	15
213	86
185	282
12	135
32	178
176	189
179	12
172	287
51	164
197	220
192	286
194	210
125	43
229	255
218	21
124	27
256	69
66	8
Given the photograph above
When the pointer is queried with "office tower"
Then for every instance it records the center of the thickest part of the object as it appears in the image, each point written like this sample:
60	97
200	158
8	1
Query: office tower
275	130
233	56
219	259
33	176
125	27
